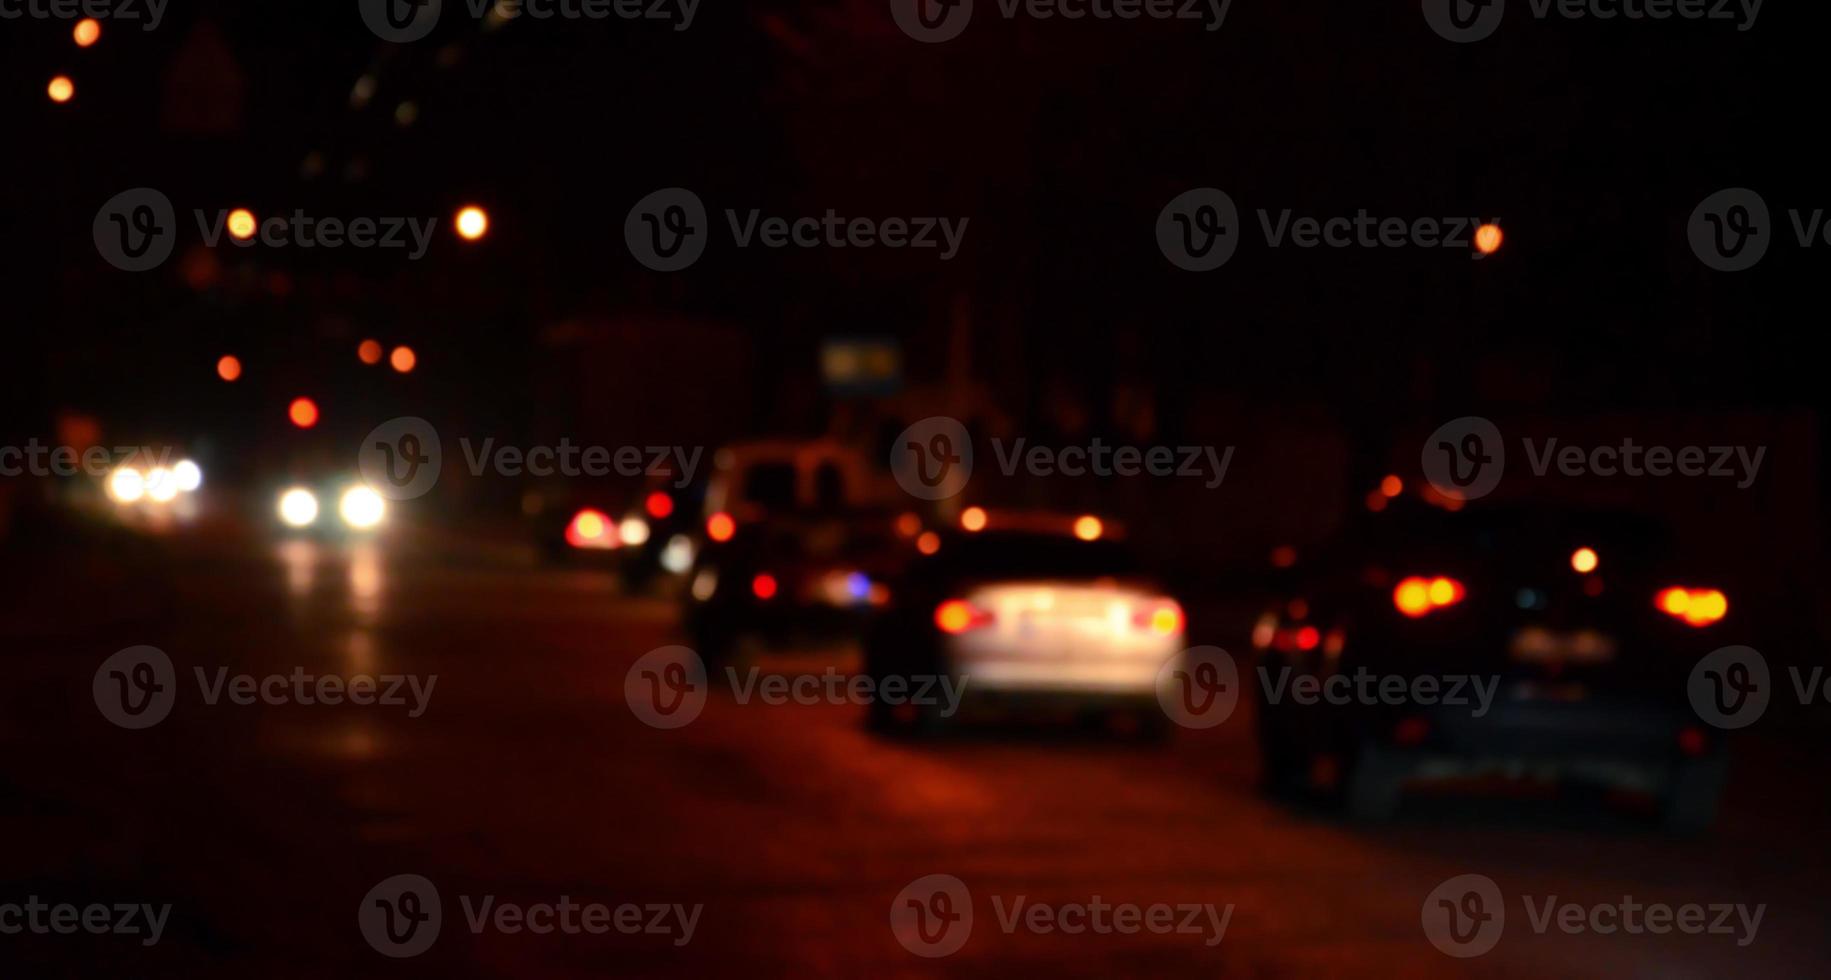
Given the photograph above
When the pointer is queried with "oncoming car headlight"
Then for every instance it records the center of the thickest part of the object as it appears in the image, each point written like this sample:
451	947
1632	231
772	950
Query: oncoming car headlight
298	507
362	508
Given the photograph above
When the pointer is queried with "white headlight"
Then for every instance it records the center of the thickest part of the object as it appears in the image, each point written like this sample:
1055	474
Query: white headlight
633	531
188	475
126	485
161	485
298	507
362	508
677	557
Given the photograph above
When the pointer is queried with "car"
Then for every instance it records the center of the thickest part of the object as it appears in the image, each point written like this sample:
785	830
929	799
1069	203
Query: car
1582	625
329	505
646	535
1028	613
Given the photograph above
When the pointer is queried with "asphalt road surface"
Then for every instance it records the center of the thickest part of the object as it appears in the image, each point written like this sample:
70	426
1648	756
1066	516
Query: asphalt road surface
781	836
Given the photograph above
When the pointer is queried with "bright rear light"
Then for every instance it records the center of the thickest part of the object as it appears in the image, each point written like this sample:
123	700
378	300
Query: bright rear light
1163	619
973	519
764	586
1697	607
1584	560
633	532
659	505
957	616
1088	528
1417	597
590	529
720	527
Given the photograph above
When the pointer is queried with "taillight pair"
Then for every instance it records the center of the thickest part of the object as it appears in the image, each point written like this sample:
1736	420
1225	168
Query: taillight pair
1417	597
957	616
1696	607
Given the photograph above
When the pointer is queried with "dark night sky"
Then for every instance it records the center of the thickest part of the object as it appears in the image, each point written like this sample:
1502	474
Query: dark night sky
1592	142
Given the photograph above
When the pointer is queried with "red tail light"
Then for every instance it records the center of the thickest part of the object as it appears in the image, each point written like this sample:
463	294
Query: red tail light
1418	597
591	529
956	616
764	586
1697	607
1164	618
659	505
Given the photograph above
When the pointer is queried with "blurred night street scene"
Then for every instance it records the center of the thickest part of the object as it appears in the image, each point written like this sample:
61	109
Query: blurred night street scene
830	488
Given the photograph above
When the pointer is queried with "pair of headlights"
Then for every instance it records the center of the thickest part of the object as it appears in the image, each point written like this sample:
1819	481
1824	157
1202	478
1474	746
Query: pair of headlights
361	508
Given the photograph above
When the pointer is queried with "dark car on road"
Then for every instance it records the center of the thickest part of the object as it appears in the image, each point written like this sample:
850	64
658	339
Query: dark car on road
1439	641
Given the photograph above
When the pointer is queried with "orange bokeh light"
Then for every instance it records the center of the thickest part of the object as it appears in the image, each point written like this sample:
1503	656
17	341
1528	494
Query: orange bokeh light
1088	528
303	412
228	367
720	527
403	359
1488	238
973	519
1584	560
1392	486
369	352
241	224
87	32
61	89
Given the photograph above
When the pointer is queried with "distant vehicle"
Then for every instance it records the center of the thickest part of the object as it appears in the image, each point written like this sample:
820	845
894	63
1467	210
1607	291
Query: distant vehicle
329	505
1030	613
1582	627
796	539
645	534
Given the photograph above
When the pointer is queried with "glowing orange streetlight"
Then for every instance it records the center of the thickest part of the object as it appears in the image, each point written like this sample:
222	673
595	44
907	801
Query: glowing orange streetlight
472	222
61	89
241	223
87	32
403	359
369	352
303	412
1488	238
228	367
